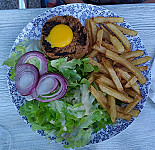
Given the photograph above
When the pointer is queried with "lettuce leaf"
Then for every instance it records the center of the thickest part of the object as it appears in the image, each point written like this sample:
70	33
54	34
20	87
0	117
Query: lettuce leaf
75	116
73	122
68	122
23	47
76	71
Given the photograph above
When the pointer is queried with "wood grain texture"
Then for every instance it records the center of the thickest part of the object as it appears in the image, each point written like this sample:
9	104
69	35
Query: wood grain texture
138	136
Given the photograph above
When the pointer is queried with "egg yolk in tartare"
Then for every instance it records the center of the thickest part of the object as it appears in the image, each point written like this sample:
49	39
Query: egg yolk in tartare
60	36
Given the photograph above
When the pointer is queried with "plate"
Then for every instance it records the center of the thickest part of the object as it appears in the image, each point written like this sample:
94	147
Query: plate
80	11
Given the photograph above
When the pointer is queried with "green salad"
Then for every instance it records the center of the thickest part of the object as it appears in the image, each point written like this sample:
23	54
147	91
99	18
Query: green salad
74	116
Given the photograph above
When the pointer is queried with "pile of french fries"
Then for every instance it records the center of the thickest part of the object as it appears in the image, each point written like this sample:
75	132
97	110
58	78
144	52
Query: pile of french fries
118	74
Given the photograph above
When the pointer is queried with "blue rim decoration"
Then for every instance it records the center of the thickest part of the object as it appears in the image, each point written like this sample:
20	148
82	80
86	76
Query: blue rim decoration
81	11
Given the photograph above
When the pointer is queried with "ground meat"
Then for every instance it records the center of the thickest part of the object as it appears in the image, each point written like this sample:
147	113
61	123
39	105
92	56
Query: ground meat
76	49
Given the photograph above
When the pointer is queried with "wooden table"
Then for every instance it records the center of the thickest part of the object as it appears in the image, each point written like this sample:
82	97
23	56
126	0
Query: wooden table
140	135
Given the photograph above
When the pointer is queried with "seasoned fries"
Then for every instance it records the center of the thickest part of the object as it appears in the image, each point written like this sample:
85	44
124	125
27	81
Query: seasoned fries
100	49
99	58
126	76
118	70
106	33
131	82
126	30
131	105
107	19
133	93
101	67
142	68
114	93
102	100
99	37
93	54
133	54
141	60
108	46
94	31
88	28
113	75
120	35
103	79
133	112
123	116
112	104
117	44
127	64
92	78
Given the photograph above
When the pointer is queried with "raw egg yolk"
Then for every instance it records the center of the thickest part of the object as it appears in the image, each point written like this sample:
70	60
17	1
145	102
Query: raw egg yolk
60	36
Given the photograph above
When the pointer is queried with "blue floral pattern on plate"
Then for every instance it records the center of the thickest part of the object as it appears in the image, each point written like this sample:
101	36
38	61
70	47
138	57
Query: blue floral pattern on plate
80	11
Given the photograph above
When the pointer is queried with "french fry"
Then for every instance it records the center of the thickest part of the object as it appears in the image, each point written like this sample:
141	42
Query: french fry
119	76
101	19
106	33
93	53
142	68
99	37
99	58
100	49
130	59
101	67
125	69
123	82
116	71
102	100
133	54
137	98
94	31
88	28
126	30
127	64
117	44
103	97
119	108
113	111
126	76
133	93
120	35
141	60
113	75
103	79
91	78
133	112
108	46
123	116
131	82
130	106
111	47
114	93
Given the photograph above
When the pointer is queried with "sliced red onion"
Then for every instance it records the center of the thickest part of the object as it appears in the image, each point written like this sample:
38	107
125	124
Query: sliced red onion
26	79
46	85
42	90
28	58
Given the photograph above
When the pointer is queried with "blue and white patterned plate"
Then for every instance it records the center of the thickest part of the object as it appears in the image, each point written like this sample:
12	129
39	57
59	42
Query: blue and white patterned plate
81	11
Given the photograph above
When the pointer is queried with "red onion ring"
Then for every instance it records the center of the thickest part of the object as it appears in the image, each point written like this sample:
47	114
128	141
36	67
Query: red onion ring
61	92
46	85
39	56
26	79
